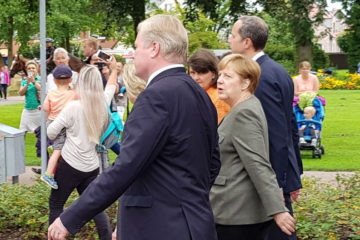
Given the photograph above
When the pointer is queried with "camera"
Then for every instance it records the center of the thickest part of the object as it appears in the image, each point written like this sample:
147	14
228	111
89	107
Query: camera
30	74
100	65
102	55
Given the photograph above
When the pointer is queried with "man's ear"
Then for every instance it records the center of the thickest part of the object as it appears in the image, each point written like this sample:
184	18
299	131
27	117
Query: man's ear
248	43
155	49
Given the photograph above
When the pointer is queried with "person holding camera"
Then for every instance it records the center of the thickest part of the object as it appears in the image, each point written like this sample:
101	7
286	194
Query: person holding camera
30	87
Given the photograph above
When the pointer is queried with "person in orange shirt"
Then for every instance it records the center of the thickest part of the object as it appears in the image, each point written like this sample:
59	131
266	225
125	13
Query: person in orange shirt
203	69
54	102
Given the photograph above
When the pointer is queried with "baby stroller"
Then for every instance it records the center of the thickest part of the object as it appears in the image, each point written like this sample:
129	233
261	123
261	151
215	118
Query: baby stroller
317	149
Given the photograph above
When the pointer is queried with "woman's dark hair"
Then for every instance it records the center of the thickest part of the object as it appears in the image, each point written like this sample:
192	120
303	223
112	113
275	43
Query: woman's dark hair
203	61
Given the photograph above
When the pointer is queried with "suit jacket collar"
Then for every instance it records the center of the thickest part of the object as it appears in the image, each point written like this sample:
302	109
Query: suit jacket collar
168	72
262	59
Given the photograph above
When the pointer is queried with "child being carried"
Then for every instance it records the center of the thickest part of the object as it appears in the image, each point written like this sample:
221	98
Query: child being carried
54	102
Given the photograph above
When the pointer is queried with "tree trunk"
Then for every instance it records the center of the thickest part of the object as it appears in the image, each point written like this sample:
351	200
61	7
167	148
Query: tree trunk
138	13
303	53
9	42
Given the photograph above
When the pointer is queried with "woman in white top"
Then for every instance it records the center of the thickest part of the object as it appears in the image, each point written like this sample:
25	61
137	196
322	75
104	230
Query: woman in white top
61	57
85	120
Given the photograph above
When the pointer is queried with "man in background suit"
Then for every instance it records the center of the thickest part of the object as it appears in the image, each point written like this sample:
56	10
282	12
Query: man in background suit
275	92
169	155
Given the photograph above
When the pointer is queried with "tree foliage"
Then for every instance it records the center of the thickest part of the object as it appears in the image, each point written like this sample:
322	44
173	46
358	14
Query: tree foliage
121	17
302	16
349	41
19	19
223	12
66	18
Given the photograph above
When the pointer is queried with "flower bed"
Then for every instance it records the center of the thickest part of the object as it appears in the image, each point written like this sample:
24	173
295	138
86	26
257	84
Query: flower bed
350	81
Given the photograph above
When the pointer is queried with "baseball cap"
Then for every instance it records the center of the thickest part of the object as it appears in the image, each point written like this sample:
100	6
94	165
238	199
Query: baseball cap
49	40
62	72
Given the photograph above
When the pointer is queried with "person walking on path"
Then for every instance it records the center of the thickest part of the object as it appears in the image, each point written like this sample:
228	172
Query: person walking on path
4	82
169	155
275	92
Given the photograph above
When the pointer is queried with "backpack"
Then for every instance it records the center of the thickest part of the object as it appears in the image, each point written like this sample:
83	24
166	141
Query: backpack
113	131
109	138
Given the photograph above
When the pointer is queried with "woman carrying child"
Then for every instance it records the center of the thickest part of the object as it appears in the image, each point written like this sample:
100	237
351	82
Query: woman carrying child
85	119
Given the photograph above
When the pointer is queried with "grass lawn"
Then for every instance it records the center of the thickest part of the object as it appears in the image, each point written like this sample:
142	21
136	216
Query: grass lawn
10	115
340	134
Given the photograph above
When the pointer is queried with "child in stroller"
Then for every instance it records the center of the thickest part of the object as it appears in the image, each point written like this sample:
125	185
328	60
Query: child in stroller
309	113
310	124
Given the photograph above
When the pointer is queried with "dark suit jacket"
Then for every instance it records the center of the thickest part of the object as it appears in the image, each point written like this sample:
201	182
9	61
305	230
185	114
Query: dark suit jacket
276	93
169	159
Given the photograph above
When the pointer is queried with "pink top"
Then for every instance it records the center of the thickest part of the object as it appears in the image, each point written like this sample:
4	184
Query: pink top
309	85
6	77
56	100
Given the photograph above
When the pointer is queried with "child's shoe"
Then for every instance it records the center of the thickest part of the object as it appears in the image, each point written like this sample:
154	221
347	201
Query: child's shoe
49	180
302	140
313	142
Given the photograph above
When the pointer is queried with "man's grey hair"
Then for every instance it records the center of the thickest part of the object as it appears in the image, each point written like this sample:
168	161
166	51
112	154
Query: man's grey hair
169	32
256	29
61	50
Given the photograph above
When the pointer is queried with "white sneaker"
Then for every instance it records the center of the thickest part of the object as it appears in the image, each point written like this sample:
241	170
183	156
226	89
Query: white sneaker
302	141
313	142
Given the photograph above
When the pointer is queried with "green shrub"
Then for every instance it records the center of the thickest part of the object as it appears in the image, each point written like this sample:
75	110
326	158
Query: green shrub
24	212
320	58
326	212
285	55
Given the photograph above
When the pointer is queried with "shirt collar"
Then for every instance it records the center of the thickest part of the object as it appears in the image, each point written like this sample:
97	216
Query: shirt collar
258	55
157	72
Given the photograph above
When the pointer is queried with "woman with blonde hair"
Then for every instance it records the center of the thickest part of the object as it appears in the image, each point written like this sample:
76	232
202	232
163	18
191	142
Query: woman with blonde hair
133	84
84	119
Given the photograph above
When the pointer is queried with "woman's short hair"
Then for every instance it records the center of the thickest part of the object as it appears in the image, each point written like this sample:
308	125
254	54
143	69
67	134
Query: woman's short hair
245	67
134	85
169	32
203	61
61	50
304	64
31	62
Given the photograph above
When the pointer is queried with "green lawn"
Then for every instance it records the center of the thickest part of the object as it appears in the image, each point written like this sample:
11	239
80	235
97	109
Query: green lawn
340	135
10	115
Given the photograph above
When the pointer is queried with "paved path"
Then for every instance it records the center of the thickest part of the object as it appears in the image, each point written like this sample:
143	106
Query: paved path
29	177
12	100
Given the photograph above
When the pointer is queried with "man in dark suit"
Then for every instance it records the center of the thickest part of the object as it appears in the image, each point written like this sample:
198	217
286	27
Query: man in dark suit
275	92
169	155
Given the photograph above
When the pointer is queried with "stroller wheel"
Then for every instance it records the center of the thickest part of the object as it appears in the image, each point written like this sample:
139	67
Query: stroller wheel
322	148
313	154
